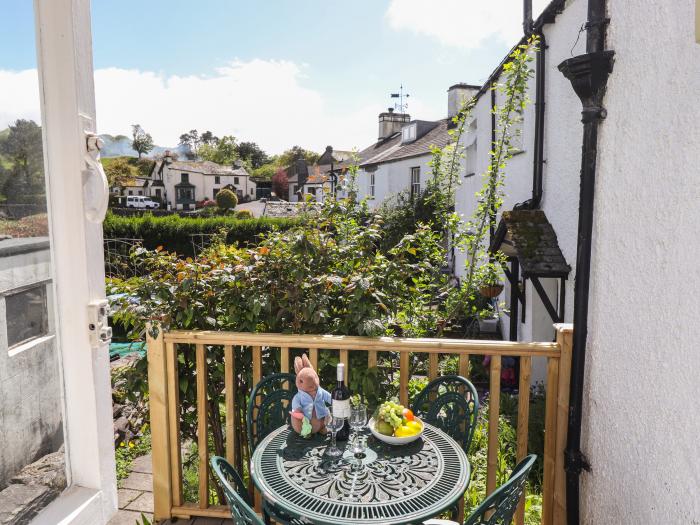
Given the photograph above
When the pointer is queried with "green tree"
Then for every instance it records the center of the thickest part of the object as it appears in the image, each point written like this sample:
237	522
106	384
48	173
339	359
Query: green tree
191	141
296	153
221	151
142	142
22	148
119	172
226	199
251	153
266	171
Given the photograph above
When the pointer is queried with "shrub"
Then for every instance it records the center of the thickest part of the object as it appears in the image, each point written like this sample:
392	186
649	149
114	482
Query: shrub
226	199
174	233
244	214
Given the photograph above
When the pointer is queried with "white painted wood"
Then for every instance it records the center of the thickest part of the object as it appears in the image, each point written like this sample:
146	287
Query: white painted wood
64	48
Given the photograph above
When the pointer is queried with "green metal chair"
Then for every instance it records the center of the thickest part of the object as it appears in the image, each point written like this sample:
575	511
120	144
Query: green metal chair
451	404
235	492
499	507
268	409
269	406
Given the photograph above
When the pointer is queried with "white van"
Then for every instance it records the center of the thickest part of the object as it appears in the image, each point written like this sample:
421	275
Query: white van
139	201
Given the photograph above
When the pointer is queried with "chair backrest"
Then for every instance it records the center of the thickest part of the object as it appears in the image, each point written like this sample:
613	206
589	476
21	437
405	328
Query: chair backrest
235	493
451	404
269	406
499	507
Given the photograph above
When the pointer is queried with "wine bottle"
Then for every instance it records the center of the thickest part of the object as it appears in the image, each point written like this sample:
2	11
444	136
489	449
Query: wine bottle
341	403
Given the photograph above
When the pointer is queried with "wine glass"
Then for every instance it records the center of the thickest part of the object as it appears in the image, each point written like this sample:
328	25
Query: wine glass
333	424
358	418
358	447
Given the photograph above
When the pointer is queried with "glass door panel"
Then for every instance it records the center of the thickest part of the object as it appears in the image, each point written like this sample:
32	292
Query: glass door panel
31	397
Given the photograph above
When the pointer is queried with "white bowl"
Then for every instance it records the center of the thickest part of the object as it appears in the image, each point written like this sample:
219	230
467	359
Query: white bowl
392	440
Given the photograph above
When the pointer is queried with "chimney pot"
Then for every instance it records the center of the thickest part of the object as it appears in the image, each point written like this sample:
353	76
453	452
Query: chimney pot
456	96
391	123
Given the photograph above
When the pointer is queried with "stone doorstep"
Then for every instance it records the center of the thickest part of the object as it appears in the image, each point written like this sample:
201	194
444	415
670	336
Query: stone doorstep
20	503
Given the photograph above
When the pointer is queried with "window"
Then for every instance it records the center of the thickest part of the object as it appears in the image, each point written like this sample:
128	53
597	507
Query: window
252	192
185	194
140	192
158	193
217	180
415	181
26	315
371	184
470	160
184	177
408	133
235	180
216	190
311	190
131	192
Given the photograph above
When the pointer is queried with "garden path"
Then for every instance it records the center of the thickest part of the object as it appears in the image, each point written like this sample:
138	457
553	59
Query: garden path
136	497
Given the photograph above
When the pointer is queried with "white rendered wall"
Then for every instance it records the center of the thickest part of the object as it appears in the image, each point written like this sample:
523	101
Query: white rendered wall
641	422
562	154
392	178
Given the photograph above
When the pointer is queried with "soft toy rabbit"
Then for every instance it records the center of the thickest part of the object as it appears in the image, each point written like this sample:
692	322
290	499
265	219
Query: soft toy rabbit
309	404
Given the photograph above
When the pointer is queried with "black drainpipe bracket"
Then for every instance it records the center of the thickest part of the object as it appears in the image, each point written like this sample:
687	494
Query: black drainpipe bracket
576	462
588	74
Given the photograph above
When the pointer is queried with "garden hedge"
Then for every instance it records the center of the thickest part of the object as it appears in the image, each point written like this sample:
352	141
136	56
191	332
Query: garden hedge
174	233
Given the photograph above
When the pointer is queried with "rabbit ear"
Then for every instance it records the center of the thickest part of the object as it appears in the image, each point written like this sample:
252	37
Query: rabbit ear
298	364
306	362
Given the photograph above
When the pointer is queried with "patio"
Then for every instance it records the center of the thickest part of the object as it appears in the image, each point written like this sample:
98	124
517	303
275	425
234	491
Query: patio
170	500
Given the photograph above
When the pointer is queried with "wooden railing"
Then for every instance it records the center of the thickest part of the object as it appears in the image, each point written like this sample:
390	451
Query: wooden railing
163	356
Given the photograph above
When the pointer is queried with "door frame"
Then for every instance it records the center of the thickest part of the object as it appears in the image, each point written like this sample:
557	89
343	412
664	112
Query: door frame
66	86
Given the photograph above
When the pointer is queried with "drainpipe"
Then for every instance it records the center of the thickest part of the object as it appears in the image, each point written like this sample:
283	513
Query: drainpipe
588	74
530	28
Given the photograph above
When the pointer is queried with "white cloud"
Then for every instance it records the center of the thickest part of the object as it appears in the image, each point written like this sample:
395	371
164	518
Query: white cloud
265	101
19	96
465	24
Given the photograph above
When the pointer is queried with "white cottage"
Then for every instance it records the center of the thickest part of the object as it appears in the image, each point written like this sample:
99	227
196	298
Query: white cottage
181	184
400	159
622	270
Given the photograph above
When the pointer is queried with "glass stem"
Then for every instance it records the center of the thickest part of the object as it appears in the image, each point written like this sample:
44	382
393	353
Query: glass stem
333	439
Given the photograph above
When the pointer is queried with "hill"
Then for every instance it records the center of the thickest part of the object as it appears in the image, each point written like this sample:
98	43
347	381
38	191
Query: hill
120	146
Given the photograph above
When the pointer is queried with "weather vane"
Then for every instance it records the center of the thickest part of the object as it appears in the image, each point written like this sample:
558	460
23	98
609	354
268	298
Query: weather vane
401	106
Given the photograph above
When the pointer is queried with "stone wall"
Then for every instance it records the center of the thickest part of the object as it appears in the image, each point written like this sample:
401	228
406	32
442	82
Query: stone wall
30	404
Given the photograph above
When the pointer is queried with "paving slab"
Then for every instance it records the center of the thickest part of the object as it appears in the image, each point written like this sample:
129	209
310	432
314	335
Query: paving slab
128	517
138	481
143	464
144	503
126	496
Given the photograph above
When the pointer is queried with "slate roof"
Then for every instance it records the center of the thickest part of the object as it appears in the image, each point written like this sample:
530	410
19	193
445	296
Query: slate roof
391	149
206	168
531	236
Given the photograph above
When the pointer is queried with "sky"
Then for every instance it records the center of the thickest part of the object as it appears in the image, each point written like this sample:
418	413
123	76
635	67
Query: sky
279	72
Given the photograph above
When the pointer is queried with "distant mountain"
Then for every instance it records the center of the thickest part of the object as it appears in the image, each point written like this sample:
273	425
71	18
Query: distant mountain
120	146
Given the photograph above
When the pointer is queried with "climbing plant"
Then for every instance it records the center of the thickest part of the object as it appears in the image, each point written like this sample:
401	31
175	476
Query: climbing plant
471	235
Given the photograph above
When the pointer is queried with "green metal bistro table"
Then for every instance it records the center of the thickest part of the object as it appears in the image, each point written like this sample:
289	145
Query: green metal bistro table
399	484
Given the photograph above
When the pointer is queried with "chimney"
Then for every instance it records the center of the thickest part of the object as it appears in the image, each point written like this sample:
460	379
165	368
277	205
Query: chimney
457	95
167	157
390	123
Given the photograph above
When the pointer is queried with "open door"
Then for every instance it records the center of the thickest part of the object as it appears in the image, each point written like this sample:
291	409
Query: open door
55	395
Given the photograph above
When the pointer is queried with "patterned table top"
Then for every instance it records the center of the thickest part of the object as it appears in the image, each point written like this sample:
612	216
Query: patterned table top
400	484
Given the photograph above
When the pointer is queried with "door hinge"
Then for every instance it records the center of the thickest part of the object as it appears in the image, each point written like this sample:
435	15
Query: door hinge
98	319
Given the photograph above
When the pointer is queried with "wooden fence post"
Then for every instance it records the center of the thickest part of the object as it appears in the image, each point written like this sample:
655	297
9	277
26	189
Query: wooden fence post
565	334
158	404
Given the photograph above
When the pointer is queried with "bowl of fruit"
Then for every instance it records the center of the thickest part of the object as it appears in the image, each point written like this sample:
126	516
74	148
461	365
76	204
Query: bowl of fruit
394	424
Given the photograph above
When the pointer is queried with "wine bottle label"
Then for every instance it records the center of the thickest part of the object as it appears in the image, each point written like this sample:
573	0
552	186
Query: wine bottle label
341	408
